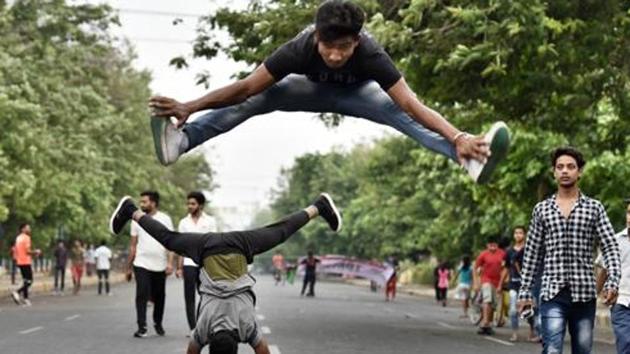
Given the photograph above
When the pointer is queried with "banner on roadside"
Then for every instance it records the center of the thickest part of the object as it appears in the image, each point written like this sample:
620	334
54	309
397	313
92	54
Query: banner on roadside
347	267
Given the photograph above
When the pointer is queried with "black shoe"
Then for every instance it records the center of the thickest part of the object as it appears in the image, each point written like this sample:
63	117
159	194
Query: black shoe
140	333
159	330
328	211
485	331
122	214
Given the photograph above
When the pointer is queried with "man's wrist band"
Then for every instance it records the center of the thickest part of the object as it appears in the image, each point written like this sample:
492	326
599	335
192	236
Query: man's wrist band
459	135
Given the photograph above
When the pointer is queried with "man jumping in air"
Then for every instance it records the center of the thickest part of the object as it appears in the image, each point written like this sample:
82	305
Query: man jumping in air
334	66
226	311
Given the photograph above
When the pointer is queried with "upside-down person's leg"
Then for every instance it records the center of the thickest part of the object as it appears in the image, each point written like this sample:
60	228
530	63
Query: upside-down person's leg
186	244
253	242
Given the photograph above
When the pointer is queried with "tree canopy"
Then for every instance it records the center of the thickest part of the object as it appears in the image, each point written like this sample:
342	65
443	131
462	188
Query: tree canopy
75	134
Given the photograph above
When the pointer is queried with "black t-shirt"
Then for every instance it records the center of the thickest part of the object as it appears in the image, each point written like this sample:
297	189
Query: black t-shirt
310	265
299	56
514	262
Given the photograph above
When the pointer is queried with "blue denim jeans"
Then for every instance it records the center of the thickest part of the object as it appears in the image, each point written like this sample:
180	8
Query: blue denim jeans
297	93
620	316
559	312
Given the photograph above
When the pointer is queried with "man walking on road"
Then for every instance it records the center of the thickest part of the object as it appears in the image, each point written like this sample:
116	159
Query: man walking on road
150	263
562	235
197	222
77	258
61	260
310	274
620	312
103	258
277	262
512	265
487	277
334	66
226	312
24	259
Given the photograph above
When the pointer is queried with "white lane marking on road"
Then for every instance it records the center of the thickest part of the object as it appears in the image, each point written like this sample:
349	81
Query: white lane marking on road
492	339
266	330
446	325
273	349
31	330
260	317
73	317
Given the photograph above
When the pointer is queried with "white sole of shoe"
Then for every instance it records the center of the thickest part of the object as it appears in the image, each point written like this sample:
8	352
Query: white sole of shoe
111	219
335	210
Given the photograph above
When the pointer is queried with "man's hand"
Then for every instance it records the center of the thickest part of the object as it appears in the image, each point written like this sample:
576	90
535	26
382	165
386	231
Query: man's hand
472	147
167	107
524	304
610	296
128	275
179	273
169	270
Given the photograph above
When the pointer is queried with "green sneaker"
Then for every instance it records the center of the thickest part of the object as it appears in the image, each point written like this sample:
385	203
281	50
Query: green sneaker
167	140
498	139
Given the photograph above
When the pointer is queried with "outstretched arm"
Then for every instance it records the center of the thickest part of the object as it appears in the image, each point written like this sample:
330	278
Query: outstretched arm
466	146
234	93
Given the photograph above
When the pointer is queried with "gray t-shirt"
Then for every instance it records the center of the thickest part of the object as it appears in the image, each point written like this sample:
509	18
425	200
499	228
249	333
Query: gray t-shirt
232	313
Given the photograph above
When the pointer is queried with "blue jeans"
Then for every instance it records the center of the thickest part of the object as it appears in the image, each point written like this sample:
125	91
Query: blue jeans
620	316
559	312
297	93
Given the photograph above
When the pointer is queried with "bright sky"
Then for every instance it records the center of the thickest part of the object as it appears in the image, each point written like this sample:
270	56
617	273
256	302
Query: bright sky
248	159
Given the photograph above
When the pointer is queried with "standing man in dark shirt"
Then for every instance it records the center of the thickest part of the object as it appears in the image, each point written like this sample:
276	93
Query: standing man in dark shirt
61	259
333	66
310	270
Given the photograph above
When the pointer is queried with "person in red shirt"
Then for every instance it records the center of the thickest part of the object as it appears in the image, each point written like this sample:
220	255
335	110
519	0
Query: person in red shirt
24	259
487	277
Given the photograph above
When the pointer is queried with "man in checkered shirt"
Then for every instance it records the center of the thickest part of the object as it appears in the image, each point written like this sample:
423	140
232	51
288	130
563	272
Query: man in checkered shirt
562	236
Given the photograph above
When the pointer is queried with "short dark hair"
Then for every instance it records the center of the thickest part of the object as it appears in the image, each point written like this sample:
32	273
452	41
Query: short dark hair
519	227
22	226
103	242
338	18
568	151
198	196
224	342
154	196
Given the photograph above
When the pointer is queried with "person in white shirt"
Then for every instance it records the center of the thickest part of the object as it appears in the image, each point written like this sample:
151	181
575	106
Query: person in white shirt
90	260
198	222
150	263
620	312
103	256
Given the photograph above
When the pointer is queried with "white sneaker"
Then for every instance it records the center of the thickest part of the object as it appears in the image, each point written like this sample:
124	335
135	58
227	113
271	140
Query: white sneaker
26	303
498	139
16	297
168	141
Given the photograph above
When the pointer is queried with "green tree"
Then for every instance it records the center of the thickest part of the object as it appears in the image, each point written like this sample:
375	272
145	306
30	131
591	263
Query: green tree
75	134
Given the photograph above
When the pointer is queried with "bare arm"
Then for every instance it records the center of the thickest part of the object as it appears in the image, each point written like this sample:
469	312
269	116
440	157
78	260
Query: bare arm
193	348
262	347
466	147
133	243
601	279
234	93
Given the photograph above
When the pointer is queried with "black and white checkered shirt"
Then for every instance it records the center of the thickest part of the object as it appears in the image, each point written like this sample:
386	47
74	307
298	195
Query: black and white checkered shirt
563	250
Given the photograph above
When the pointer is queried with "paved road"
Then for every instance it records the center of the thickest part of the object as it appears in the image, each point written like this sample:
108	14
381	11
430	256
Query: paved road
341	319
